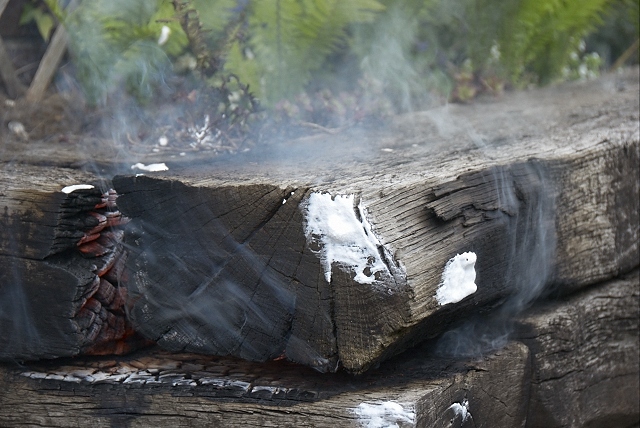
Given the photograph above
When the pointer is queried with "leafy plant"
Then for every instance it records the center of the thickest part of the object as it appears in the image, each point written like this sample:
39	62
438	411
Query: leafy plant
306	60
116	43
44	20
541	36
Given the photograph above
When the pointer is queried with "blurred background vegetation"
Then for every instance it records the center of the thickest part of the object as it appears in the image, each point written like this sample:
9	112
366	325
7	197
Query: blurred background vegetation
336	62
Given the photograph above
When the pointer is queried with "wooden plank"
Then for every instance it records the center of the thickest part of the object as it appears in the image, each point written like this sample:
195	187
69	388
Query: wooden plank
244	246
577	366
228	243
38	218
48	65
585	357
188	390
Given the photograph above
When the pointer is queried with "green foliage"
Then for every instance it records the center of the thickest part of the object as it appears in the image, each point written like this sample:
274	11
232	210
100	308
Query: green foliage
44	20
416	51
542	35
115	43
287	40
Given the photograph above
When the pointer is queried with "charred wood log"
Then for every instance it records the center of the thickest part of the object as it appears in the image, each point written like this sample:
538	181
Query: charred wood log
579	367
60	257
345	264
191	390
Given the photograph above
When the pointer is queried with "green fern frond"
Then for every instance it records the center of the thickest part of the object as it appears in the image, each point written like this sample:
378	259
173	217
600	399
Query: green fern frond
542	34
290	39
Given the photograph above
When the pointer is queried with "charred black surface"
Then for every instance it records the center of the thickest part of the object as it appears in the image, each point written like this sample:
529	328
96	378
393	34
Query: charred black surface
60	257
224	271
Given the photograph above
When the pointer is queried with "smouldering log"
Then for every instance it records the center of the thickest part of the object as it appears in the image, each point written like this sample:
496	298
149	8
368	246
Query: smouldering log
61	256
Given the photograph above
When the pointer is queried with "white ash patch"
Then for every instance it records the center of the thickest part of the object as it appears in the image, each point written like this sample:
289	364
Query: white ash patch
344	238
153	167
461	410
18	129
458	279
165	32
73	188
384	414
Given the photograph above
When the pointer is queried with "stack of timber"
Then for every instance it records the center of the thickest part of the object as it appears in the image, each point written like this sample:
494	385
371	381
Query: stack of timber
340	263
574	363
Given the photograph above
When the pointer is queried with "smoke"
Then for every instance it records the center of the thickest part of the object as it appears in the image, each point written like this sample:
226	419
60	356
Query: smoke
18	331
216	312
527	192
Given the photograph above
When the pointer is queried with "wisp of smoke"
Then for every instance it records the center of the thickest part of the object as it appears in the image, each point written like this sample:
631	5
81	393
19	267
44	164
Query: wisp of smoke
532	242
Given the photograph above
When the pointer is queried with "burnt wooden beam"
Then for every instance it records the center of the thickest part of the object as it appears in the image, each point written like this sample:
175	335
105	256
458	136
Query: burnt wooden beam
60	257
575	364
337	261
340	263
190	390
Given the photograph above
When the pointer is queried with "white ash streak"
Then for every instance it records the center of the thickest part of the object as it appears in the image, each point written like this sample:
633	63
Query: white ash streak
75	187
458	279
384	414
153	167
165	32
461	409
331	224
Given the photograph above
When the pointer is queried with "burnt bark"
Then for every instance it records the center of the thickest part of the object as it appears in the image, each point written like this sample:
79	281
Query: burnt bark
60	257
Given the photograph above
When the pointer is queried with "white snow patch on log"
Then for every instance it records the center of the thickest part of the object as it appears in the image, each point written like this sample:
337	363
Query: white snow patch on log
458	279
75	187
384	414
153	167
342	236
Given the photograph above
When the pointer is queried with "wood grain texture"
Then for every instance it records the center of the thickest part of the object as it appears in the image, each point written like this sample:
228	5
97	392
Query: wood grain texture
577	365
60	258
550	198
37	218
585	357
537	184
192	391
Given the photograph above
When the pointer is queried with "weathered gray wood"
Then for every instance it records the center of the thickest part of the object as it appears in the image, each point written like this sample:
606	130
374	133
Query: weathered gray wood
536	185
190	391
579	368
586	358
49	64
548	198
